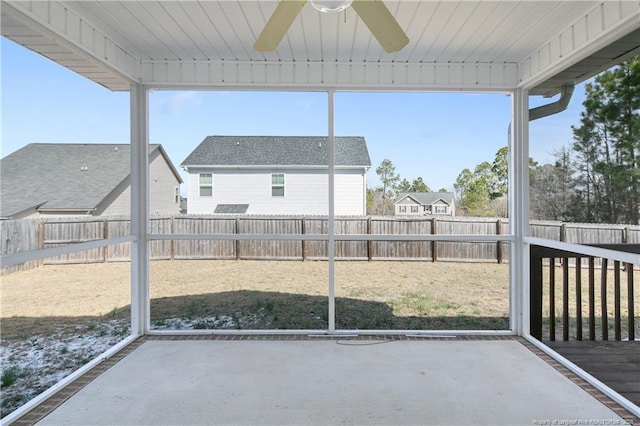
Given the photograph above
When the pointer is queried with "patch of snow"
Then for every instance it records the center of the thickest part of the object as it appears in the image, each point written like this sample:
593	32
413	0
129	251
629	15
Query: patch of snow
40	362
215	322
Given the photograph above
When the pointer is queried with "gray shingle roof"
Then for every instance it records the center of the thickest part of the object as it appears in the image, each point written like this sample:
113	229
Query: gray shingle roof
427	198
53	176
277	151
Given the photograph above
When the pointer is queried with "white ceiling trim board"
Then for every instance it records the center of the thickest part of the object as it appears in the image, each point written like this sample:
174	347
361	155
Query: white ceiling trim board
338	75
53	20
602	25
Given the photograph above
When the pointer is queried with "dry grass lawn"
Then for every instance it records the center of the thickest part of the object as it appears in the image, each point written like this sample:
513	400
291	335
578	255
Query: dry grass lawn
269	295
263	294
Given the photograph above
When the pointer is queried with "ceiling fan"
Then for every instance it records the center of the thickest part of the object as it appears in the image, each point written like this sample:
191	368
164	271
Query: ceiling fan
373	13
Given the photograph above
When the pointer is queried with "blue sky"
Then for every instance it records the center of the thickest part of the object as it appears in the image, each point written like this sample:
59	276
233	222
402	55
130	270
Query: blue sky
432	135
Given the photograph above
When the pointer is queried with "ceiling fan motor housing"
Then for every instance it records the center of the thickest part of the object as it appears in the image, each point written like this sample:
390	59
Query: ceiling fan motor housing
331	6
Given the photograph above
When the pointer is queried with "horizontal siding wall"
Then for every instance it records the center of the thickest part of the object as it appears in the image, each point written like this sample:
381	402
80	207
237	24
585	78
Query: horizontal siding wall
162	185
33	234
120	205
306	192
350	194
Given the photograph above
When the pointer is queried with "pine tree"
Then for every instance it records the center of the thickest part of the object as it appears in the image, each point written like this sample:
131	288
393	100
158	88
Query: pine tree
606	148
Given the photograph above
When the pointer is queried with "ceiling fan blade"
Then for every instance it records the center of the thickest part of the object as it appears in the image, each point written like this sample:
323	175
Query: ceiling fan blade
278	25
382	24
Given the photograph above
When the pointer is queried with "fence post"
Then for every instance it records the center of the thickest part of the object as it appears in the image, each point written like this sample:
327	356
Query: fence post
434	244
40	239
105	236
40	234
303	242
499	246
237	241
369	243
563	232
173	230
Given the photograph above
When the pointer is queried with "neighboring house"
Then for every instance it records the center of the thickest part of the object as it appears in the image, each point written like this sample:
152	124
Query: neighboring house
425	203
53	179
283	175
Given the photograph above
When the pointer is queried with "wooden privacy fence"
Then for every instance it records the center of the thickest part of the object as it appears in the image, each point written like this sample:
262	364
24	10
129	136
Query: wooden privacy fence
19	236
62	232
31	234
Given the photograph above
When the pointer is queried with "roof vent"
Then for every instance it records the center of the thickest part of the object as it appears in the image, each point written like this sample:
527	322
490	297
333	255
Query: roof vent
115	149
320	144
84	168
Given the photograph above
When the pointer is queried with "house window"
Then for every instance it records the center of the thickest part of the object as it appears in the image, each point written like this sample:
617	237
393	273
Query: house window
176	195
277	184
206	185
414	209
441	209
402	209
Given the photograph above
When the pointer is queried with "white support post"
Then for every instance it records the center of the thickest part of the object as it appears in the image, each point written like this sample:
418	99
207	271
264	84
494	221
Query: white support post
140	306
519	213
331	244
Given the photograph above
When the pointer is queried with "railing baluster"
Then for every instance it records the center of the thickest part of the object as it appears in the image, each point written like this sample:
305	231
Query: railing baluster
630	300
578	298
616	300
603	300
541	255
552	299
565	299
592	299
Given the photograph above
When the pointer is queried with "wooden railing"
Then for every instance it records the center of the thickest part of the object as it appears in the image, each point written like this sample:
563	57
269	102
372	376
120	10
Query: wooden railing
577	304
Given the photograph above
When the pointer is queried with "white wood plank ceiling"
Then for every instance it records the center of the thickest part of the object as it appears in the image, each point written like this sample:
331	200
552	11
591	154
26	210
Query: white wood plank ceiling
454	45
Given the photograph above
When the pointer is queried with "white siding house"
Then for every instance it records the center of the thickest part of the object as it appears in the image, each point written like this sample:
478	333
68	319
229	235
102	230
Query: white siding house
61	179
275	175
425	203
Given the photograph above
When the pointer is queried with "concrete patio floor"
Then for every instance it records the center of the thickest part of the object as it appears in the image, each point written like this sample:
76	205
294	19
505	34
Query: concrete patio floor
331	381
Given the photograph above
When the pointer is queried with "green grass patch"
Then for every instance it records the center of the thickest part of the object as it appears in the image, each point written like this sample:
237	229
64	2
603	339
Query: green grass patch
414	303
12	374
